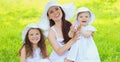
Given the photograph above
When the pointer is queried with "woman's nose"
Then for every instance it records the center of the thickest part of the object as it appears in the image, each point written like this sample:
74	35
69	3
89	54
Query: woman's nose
55	12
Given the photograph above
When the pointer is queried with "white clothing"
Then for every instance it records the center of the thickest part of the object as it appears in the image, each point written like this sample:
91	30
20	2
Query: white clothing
84	49
54	57
37	57
68	9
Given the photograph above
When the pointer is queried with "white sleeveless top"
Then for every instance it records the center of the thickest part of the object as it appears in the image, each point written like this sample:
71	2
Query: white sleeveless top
54	57
37	57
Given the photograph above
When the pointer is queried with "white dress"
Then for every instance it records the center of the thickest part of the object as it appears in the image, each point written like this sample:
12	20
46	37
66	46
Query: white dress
84	49
54	57
36	57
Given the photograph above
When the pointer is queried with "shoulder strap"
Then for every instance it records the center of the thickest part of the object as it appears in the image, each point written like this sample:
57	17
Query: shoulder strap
53	28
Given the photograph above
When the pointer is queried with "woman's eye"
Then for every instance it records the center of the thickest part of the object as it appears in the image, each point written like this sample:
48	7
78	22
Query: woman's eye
56	8
80	16
51	12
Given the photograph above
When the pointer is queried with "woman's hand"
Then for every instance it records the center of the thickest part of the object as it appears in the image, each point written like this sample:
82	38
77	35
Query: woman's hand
76	36
72	31
79	27
73	28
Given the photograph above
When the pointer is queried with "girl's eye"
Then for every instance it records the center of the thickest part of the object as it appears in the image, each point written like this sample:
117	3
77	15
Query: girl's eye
37	33
31	34
86	16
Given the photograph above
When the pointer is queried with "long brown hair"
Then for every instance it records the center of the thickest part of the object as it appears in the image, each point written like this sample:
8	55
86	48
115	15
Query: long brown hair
65	27
28	45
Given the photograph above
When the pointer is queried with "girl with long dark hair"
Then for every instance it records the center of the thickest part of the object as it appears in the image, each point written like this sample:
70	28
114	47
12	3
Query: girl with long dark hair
34	47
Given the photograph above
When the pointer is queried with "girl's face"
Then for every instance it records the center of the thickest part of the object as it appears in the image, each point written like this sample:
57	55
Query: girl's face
55	13
83	18
34	36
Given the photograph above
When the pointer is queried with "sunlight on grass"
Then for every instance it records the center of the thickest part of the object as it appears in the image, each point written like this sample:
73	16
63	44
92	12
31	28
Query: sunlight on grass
16	14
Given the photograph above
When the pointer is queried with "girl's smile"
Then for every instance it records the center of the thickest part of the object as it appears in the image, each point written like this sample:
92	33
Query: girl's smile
34	36
83	18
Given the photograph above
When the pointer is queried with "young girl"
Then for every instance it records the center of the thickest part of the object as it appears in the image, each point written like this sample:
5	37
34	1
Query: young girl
34	47
84	50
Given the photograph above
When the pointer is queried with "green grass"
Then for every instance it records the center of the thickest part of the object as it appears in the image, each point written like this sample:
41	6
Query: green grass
16	14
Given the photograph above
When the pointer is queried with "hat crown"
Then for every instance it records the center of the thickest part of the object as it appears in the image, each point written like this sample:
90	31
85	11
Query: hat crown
50	4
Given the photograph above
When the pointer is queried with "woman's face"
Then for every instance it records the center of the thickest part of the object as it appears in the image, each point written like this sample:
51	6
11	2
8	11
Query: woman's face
55	13
83	18
34	36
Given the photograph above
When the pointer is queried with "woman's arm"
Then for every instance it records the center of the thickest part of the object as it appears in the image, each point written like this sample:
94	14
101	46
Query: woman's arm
23	55
55	46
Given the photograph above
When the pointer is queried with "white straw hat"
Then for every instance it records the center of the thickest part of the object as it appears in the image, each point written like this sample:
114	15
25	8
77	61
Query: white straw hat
69	10
83	9
24	33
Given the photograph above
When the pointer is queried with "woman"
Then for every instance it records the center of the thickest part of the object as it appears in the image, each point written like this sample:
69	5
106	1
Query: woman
55	18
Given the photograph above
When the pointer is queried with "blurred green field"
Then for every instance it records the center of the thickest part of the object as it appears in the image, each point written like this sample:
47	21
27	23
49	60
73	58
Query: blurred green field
16	14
